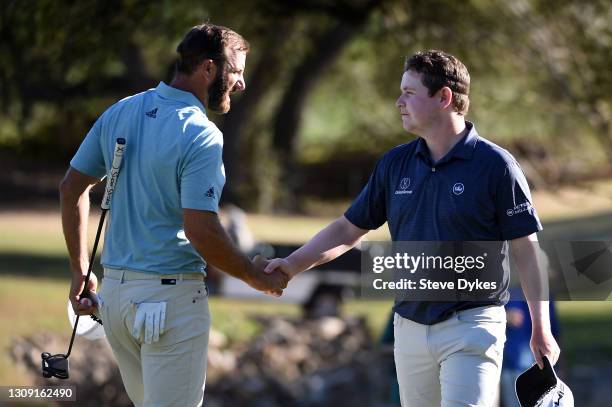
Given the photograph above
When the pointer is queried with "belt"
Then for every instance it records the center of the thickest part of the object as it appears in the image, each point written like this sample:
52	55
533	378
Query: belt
170	279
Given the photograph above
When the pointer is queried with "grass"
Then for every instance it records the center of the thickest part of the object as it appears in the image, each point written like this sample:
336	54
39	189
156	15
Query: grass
586	335
31	232
34	277
29	305
297	229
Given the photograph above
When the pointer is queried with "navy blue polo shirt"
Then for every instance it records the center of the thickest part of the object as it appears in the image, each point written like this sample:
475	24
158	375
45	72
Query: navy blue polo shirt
476	192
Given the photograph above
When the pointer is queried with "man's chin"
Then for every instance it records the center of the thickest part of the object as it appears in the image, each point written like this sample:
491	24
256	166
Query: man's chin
223	109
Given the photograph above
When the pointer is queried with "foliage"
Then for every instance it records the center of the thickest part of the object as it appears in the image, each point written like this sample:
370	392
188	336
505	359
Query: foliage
63	63
322	76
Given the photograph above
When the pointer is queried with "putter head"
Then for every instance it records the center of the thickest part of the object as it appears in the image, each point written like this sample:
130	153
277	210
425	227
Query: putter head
54	365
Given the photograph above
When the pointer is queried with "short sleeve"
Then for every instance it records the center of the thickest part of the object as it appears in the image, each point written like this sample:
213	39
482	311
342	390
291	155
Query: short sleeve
369	209
89	158
203	176
516	215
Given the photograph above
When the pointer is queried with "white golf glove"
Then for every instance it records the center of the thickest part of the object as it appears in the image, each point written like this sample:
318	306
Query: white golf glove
153	316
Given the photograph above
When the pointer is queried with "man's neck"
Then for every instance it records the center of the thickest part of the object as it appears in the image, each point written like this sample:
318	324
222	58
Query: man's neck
444	136
185	83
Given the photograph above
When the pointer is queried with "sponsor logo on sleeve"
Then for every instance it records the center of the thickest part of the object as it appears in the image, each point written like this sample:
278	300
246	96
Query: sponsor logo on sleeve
210	193
520	208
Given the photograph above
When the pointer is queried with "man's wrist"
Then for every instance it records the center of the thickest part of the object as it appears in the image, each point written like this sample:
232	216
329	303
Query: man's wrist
79	266
539	327
293	266
79	271
249	272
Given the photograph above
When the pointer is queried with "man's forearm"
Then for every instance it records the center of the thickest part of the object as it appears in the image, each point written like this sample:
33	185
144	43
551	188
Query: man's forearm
331	242
212	242
75	213
220	251
532	275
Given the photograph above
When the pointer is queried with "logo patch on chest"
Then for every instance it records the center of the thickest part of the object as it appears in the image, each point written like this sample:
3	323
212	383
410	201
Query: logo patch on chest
458	188
403	187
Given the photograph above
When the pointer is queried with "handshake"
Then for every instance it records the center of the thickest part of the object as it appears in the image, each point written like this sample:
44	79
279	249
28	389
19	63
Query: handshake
269	276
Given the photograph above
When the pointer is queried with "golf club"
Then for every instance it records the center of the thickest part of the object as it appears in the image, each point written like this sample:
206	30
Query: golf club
57	365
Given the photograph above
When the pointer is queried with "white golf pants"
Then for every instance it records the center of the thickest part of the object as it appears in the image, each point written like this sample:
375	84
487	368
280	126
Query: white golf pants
453	363
171	371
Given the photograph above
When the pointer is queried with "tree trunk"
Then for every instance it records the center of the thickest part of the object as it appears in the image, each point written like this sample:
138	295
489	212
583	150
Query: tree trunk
325	50
244	109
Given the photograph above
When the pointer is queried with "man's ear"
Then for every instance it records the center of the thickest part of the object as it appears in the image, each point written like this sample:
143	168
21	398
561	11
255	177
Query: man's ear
208	69
445	95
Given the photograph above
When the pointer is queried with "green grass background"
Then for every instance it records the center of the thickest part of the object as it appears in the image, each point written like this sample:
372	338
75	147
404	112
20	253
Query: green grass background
34	281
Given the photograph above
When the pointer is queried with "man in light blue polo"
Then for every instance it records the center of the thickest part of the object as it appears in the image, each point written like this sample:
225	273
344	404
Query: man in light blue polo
163	226
448	185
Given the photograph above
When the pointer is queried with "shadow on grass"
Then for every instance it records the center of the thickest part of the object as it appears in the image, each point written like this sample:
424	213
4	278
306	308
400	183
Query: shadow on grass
586	338
594	227
597	227
33	265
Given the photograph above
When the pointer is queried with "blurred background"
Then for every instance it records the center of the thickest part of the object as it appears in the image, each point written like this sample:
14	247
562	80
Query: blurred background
322	78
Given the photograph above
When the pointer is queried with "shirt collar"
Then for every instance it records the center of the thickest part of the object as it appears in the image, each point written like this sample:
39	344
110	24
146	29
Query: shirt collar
182	96
463	149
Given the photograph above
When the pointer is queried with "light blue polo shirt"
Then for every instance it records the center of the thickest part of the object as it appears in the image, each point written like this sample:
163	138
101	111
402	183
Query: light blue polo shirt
173	160
476	192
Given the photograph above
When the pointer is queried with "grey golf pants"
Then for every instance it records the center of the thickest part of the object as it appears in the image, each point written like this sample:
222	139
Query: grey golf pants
170	372
453	363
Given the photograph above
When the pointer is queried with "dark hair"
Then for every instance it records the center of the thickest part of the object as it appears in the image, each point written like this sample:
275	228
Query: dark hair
440	69
207	41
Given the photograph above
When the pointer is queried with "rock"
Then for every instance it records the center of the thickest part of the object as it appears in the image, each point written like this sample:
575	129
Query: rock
93	369
217	339
291	362
331	327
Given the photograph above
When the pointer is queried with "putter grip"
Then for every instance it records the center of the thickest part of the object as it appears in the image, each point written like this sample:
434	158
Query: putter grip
111	179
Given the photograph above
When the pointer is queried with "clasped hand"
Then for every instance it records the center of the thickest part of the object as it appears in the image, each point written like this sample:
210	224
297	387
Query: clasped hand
271	283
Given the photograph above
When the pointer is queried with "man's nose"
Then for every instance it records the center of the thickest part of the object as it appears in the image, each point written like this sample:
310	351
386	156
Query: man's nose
398	103
241	84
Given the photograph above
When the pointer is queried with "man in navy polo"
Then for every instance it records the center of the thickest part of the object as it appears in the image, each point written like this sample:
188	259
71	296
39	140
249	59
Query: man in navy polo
449	184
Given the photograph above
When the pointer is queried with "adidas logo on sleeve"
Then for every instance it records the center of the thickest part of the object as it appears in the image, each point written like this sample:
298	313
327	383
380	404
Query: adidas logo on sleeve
152	113
210	193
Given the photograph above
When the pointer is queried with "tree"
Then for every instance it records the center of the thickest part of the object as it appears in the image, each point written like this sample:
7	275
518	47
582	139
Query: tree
64	62
325	47
573	42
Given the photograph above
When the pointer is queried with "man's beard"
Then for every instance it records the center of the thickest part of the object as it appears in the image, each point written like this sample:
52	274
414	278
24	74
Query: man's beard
217	101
